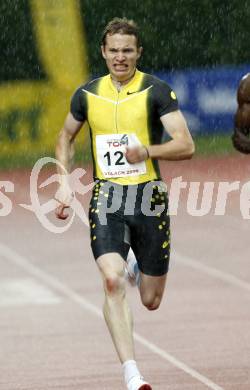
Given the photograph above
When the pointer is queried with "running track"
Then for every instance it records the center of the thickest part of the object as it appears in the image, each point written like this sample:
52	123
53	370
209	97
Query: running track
52	335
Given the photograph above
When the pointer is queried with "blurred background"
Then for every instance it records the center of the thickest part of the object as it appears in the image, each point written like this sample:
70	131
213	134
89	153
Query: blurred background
49	47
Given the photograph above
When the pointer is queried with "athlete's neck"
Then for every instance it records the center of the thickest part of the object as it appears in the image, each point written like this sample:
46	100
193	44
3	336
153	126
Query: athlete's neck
120	83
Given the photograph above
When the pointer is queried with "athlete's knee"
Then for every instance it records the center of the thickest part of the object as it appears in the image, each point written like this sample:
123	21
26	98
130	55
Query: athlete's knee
114	283
151	301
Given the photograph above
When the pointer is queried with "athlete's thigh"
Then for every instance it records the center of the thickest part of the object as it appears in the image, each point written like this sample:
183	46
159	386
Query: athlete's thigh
111	264
112	267
150	241
108	236
152	286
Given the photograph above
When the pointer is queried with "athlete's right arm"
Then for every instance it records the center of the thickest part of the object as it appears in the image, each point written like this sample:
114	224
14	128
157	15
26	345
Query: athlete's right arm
65	155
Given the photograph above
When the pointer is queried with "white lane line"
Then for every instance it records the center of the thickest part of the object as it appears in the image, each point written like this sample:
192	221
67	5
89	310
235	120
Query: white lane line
211	271
26	291
20	261
177	363
47	279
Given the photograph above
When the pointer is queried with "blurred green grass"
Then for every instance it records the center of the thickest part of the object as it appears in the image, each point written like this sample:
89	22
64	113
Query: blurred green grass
209	145
28	160
214	145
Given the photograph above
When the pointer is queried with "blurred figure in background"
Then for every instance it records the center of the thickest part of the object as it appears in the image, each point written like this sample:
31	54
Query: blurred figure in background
241	140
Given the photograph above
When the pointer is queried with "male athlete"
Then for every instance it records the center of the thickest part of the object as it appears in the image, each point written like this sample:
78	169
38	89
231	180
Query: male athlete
126	112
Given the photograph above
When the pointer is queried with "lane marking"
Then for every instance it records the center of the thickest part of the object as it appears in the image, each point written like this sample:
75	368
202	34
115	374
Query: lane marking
25	291
23	263
176	362
211	271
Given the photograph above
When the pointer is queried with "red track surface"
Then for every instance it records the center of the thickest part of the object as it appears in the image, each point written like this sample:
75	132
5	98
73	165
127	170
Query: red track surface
52	335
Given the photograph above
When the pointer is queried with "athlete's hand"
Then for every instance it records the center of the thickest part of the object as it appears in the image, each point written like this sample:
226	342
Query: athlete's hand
64	196
137	154
60	211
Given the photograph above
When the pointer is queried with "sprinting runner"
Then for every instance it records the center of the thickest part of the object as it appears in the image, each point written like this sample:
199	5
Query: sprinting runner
127	111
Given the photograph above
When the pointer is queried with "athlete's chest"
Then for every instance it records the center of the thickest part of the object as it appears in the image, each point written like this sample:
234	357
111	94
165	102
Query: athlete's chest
119	112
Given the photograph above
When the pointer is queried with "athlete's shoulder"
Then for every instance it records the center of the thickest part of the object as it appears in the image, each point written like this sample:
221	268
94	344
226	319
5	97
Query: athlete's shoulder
163	97
90	85
155	81
78	105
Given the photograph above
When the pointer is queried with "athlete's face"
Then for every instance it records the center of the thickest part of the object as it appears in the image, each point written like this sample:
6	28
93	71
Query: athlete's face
121	54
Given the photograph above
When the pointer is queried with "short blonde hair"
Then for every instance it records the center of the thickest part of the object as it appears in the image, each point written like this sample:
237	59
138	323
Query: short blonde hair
121	26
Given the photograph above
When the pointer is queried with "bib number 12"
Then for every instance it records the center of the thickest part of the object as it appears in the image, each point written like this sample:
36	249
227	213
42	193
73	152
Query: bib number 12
118	155
111	155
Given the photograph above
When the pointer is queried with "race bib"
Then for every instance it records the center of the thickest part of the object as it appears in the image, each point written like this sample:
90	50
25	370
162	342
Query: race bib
111	158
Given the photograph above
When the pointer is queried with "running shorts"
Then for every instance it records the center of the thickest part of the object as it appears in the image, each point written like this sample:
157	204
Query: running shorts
136	215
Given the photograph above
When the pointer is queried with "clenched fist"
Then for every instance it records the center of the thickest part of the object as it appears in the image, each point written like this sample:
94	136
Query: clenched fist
64	196
137	154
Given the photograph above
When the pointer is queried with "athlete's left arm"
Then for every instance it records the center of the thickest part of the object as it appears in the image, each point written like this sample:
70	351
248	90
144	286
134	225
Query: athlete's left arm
181	146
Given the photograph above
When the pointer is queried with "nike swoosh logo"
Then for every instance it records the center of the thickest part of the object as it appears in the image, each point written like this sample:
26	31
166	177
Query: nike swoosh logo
130	93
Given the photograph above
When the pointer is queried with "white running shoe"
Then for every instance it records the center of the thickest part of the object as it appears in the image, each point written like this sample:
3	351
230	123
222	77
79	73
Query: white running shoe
132	273
138	383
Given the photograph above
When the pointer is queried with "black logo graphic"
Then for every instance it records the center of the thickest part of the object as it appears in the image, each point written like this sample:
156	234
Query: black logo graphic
124	140
130	93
